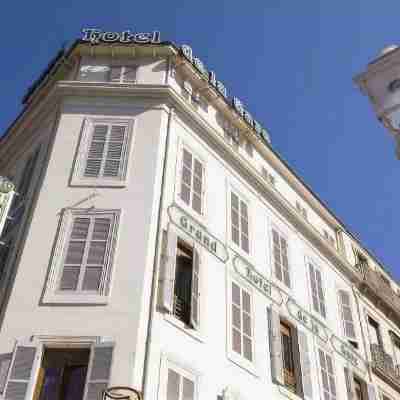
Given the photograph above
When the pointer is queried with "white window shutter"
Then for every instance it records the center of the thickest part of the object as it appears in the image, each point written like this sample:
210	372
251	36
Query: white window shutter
347	314
371	392
115	151
98	375
275	341
167	272
23	364
5	361
305	364
95	153
349	384
195	300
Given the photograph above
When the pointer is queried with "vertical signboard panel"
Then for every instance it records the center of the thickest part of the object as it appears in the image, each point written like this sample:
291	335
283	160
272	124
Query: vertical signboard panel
7	193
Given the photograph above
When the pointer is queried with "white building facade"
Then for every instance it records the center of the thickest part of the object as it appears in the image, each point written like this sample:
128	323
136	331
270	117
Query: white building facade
159	242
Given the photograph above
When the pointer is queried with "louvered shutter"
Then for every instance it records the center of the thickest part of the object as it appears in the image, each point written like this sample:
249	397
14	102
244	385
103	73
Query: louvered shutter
167	275
98	374
346	313
73	259
320	293
197	194
275	346
129	75
277	255
195	301
115	74
305	364
5	361
115	151
173	385
285	261
96	150
349	384
97	252
24	362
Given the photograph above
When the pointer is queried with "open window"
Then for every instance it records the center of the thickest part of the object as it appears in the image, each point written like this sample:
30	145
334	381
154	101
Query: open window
357	388
179	280
290	357
58	373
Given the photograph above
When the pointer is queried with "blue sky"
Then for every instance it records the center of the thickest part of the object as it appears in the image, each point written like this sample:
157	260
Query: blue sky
291	63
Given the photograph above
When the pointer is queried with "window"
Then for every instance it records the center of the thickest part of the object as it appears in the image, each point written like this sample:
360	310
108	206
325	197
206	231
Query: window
63	373
374	332
302	210
356	388
83	259
327	375
181	385
186	283
105	73
239	222
290	357
396	349
289	375
346	314
192	181
104	152
241	322
317	290
5	248
179	280
249	148
280	253
231	132
194	97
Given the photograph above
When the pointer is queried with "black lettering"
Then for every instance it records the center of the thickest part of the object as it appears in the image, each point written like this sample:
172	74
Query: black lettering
110	37
184	223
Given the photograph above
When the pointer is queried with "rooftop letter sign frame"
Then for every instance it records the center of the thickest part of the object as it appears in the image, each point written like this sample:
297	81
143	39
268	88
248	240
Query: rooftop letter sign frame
95	36
198	232
261	283
7	192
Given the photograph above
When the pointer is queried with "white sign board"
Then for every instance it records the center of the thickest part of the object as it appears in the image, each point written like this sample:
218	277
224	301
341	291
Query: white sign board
6	196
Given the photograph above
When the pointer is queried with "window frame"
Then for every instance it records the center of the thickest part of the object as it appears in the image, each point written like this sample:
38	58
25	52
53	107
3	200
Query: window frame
284	235
52	295
233	356
316	266
82	149
284	323
238	247
167	363
123	70
378	330
183	145
331	355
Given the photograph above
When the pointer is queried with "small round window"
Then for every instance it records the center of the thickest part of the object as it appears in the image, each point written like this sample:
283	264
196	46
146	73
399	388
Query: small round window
394	85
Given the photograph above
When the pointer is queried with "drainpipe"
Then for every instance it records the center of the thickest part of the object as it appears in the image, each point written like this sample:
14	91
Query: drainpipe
156	258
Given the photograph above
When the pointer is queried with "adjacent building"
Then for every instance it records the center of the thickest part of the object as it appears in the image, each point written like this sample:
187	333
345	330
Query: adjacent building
381	83
158	241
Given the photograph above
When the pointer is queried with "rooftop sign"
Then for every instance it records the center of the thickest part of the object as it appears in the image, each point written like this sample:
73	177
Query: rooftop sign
95	36
187	52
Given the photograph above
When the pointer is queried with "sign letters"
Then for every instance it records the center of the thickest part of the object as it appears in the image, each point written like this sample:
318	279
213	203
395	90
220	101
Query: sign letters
261	283
187	52
95	36
307	320
198	232
347	352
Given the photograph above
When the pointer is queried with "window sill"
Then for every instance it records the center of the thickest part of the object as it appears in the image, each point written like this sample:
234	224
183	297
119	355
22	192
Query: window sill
242	363
184	328
288	393
99	182
199	218
75	299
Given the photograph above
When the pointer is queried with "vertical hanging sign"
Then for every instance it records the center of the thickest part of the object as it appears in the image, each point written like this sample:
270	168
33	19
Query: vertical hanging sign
7	192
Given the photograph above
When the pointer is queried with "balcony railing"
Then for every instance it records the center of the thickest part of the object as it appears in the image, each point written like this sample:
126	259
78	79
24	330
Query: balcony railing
382	364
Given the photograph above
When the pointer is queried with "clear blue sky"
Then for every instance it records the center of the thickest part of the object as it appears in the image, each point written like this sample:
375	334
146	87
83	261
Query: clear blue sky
291	62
